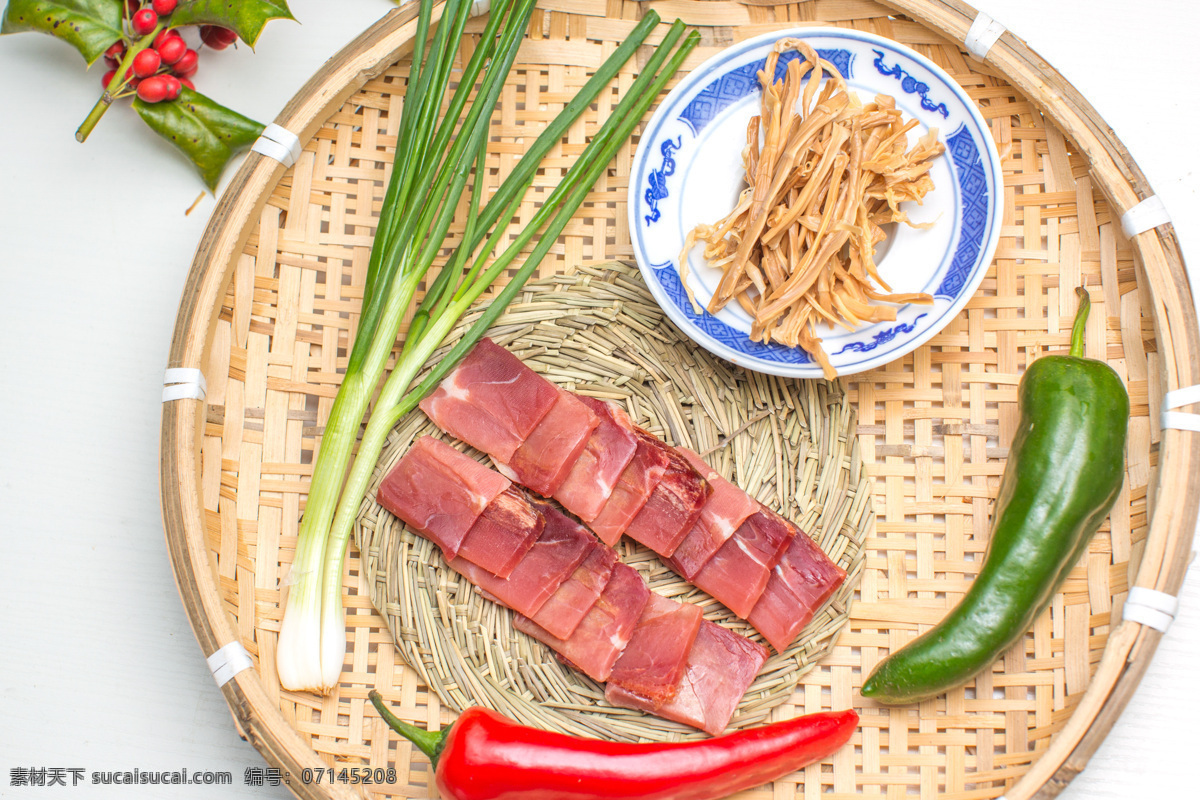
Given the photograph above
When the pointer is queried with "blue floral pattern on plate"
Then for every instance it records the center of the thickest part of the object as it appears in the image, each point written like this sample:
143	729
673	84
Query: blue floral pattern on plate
975	211
657	190
881	337
910	84
735	84
688	162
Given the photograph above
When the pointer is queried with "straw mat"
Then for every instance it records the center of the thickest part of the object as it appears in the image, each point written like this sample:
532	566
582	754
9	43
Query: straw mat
599	332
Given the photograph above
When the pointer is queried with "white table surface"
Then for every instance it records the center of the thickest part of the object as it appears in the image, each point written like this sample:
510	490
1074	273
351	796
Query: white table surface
98	666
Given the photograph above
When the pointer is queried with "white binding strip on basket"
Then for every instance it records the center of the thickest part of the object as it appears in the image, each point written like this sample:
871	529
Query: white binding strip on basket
229	661
278	143
1180	420
480	7
184	383
982	35
1150	607
1150	213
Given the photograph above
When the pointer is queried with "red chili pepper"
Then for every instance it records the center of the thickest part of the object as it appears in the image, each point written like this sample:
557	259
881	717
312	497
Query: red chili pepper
486	756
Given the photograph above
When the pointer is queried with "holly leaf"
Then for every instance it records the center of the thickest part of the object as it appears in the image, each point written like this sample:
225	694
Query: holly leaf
246	18
205	131
90	26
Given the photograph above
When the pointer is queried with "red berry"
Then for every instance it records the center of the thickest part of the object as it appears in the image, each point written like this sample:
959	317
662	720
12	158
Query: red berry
146	63
164	7
108	76
144	21
114	53
216	37
172	49
163	36
188	84
131	6
186	66
154	90
174	86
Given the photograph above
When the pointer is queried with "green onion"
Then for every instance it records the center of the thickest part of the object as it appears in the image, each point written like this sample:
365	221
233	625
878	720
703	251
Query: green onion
434	163
299	656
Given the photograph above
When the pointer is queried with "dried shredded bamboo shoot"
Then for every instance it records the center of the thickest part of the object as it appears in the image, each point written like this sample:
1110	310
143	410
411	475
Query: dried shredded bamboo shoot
798	250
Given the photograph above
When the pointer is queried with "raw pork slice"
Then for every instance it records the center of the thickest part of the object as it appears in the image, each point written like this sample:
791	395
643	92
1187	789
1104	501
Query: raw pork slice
567	607
440	492
544	460
800	584
491	401
727	508
654	660
561	548
504	531
604	632
637	482
673	507
599	465
737	574
720	668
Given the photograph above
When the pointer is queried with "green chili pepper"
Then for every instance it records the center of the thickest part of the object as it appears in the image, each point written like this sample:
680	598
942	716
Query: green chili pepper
1062	477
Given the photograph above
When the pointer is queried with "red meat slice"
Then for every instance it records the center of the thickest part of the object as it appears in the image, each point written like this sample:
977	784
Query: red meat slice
737	574
491	401
599	465
800	584
440	492
654	660
567	607
727	508
603	634
720	668
673	507
634	488
505	530
561	548
544	460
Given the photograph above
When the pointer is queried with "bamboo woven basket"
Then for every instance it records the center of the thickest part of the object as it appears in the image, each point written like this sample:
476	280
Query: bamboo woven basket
272	295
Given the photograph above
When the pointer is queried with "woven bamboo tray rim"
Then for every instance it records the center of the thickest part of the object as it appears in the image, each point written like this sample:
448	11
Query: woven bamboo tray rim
1160	278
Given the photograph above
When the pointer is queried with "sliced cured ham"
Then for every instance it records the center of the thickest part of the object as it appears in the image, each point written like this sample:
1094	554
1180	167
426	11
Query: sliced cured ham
674	505
600	463
440	492
505	530
605	630
724	512
800	584
572	593
567	607
491	401
653	662
558	552
544	460
720	668
633	489
738	572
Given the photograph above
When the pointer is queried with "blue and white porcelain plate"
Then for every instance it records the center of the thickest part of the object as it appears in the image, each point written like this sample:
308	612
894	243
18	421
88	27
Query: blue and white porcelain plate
688	170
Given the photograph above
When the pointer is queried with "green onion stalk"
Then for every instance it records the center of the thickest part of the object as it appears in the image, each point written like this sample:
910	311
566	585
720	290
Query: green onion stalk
299	655
311	649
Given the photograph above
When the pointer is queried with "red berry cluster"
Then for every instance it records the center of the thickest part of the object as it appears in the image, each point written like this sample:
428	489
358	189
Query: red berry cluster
160	71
